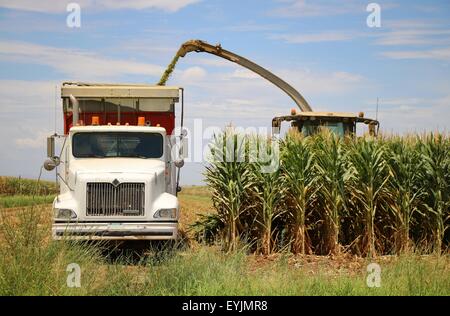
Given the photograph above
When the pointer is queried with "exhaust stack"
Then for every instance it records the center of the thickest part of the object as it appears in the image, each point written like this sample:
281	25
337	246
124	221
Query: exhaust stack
75	107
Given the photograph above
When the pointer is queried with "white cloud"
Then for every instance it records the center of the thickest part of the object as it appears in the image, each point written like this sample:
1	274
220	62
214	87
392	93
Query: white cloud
36	141
403	115
207	61
38	6
27	113
314	8
404	102
74	62
413	32
193	74
171	6
437	54
242	73
328	36
323	83
243	94
310	8
443	102
28	108
148	48
18	96
393	33
226	110
52	6
253	27
430	38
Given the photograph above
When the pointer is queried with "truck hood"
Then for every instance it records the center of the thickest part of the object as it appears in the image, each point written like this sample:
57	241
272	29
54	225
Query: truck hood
117	165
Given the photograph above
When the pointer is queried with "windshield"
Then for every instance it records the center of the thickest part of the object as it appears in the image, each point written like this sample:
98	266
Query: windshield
338	128
117	144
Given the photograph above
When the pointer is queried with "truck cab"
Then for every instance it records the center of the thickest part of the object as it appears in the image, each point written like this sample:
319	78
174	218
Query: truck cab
116	170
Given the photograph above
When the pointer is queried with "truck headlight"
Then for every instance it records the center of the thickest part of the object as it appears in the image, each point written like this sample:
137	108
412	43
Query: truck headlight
166	213
64	213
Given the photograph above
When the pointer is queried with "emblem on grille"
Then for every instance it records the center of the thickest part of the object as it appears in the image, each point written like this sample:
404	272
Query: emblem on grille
116	182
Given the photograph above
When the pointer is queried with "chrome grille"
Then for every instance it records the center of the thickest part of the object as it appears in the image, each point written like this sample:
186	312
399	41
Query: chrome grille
106	199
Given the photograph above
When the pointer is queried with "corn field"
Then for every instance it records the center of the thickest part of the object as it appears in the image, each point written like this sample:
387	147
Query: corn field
11	186
369	196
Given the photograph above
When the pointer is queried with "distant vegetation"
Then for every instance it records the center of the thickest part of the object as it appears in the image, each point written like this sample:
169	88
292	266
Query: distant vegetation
18	186
18	192
366	195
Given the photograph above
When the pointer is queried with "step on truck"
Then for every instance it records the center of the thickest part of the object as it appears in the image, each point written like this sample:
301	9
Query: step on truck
118	167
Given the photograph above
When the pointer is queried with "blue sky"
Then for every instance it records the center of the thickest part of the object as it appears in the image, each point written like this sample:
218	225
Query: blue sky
323	48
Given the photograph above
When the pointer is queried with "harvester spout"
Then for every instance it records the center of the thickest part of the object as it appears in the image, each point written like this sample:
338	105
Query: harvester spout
217	50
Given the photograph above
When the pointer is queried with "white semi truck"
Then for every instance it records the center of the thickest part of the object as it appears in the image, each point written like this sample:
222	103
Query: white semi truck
118	168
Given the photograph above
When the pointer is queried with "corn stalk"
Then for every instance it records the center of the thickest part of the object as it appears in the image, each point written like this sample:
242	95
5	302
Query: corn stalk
368	185
405	187
300	178
333	175
227	177
437	165
265	190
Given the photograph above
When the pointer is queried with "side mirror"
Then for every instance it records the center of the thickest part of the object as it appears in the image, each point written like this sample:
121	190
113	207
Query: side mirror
50	164
179	163
50	147
179	150
184	148
52	161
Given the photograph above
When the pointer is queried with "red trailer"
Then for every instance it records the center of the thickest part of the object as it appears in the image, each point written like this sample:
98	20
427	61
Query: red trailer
119	104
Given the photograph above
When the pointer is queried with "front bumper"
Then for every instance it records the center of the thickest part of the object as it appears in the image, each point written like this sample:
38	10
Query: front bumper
115	231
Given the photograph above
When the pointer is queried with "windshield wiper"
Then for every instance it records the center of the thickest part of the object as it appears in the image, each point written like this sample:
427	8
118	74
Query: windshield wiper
89	156
136	156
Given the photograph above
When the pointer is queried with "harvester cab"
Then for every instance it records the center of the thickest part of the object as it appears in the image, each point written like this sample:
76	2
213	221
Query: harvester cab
339	123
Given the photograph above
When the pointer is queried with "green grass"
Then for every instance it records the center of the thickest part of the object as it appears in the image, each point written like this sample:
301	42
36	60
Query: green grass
210	272
24	200
31	264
